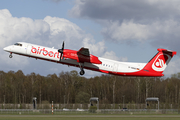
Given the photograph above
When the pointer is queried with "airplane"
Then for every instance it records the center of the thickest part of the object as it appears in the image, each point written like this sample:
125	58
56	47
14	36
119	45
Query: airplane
84	60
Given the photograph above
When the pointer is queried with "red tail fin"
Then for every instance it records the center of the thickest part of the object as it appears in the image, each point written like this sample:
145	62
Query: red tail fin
160	61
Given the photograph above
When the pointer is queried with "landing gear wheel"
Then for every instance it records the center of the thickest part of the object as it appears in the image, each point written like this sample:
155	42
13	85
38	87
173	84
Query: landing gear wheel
82	72
81	65
10	56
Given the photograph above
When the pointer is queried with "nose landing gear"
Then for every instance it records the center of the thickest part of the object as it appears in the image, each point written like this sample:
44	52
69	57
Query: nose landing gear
10	56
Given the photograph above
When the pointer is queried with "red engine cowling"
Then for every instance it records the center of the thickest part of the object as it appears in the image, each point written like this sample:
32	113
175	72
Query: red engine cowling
80	57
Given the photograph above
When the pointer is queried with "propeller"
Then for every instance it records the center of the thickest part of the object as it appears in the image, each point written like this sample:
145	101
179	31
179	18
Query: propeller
61	50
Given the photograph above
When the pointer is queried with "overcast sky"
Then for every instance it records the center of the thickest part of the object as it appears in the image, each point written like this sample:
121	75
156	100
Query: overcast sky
123	30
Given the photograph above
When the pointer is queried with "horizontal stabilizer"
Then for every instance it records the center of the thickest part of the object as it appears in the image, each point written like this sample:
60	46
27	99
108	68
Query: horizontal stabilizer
167	51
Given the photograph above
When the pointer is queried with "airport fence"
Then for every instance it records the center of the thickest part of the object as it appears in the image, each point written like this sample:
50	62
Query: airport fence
87	111
87	106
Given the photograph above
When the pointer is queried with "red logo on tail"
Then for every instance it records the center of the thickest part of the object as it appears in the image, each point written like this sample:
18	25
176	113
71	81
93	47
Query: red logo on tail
160	62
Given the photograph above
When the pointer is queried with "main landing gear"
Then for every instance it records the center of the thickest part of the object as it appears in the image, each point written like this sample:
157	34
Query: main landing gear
82	72
10	56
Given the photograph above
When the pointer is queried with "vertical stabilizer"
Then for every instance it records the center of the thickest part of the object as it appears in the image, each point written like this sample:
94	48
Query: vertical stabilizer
160	61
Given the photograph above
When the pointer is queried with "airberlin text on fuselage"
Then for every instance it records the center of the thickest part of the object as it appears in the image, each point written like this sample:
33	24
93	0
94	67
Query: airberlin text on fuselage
44	52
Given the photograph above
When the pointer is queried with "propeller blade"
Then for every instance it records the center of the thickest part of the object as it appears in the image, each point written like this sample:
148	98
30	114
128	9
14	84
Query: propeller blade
63	46
61	50
61	56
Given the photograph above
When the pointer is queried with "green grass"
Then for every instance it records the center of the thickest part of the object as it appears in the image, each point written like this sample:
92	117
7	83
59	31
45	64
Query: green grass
45	118
100	117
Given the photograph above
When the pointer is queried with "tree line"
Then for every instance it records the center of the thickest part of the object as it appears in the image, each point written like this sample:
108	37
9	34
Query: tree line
70	88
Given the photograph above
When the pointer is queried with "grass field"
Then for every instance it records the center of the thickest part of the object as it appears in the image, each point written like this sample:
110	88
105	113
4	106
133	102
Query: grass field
89	117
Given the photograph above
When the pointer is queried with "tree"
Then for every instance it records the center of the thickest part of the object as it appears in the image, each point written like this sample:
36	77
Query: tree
82	97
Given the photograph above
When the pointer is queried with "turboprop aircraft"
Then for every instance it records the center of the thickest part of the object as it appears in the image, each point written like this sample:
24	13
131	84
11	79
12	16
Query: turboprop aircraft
84	60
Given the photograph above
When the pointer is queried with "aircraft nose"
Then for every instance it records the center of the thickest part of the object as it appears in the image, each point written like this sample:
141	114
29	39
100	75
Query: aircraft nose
6	49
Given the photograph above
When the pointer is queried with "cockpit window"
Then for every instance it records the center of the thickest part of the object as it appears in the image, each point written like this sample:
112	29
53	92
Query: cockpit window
18	44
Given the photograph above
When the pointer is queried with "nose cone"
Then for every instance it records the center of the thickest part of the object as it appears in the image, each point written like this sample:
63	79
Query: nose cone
6	48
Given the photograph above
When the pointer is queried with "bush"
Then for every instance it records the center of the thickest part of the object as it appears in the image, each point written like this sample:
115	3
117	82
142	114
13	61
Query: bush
92	109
